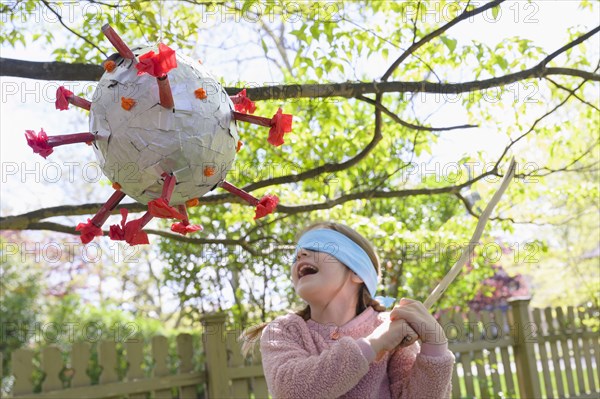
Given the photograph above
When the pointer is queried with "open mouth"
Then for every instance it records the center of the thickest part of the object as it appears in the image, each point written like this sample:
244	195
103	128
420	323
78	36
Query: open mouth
304	269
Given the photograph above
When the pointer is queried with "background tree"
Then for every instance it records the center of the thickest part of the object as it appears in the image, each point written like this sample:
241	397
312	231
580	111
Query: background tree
379	89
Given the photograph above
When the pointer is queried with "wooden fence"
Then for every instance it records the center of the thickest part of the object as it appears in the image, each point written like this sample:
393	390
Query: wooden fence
525	353
520	353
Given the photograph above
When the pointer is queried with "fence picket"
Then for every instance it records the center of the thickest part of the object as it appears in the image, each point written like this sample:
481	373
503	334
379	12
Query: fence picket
593	314
107	359
575	333
542	333
477	355
22	365
446	323
587	352
504	354
160	355
563	330
492	360
185	352
239	386
52	365
465	357
135	358
259	384
80	358
553	341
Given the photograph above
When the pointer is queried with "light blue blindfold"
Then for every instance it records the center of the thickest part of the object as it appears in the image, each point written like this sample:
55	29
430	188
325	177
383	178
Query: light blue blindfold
343	249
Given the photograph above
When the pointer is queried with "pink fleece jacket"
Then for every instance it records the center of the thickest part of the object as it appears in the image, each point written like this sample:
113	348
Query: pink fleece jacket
308	360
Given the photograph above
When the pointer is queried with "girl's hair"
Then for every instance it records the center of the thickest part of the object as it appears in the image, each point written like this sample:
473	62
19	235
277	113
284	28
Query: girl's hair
251	335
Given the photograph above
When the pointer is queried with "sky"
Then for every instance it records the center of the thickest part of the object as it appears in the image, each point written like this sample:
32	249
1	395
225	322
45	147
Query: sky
70	176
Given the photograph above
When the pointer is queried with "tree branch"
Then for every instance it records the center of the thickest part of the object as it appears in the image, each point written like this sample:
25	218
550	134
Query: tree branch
61	228
319	170
415	46
60	19
409	125
573	93
538	120
27	220
90	72
49	70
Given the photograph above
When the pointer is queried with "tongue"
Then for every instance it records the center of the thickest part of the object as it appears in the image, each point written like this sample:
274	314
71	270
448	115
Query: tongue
308	272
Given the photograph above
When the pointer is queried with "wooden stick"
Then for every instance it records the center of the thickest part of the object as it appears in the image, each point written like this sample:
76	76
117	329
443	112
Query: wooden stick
467	252
118	43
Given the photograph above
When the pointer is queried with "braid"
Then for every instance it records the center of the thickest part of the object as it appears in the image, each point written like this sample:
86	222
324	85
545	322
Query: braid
304	313
365	300
374	303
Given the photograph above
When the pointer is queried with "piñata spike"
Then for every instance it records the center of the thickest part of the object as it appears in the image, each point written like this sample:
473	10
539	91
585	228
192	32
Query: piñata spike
64	97
280	124
158	65
93	227
184	226
118	43
107	208
249	198
130	232
80	102
242	103
134	235
41	144
63	139
256	120
160	207
164	92
264	206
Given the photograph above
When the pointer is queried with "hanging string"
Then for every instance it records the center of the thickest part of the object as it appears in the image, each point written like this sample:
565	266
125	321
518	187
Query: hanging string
160	19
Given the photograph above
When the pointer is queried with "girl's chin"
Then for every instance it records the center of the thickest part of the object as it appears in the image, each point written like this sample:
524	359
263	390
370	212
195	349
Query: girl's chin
307	293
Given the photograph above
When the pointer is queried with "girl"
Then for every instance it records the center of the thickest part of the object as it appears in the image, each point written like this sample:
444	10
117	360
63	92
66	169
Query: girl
344	344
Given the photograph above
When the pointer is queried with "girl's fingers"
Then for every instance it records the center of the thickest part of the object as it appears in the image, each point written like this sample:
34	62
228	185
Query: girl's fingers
400	312
406	301
409	339
408	309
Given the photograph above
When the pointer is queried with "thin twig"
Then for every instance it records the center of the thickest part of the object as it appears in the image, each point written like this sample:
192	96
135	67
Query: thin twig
409	125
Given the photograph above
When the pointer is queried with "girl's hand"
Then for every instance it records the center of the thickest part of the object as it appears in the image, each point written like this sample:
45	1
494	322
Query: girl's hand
420	320
391	334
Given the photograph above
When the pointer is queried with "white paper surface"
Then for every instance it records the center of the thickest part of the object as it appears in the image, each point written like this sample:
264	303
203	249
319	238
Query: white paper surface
135	148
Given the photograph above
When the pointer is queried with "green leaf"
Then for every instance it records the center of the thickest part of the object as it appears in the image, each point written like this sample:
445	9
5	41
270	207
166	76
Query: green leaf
495	12
315	31
449	42
264	45
501	61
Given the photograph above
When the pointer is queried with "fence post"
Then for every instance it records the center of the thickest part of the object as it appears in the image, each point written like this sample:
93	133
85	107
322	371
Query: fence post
213	340
523	331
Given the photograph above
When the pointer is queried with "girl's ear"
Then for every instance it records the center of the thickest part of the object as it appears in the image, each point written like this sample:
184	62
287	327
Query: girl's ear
356	279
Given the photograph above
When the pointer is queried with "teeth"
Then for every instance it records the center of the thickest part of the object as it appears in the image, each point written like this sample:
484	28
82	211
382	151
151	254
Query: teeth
306	269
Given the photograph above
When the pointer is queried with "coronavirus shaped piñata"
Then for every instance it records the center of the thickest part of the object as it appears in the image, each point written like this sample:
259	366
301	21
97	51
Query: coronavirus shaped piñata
164	132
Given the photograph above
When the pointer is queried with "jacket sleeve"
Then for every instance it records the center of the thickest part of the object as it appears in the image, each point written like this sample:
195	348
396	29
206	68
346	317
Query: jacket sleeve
292	371
415	375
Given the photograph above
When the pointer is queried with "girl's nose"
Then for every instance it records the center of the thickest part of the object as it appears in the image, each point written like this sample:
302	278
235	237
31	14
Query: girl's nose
301	253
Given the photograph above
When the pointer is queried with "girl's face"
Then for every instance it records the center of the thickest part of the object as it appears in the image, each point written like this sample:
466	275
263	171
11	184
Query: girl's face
319	277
